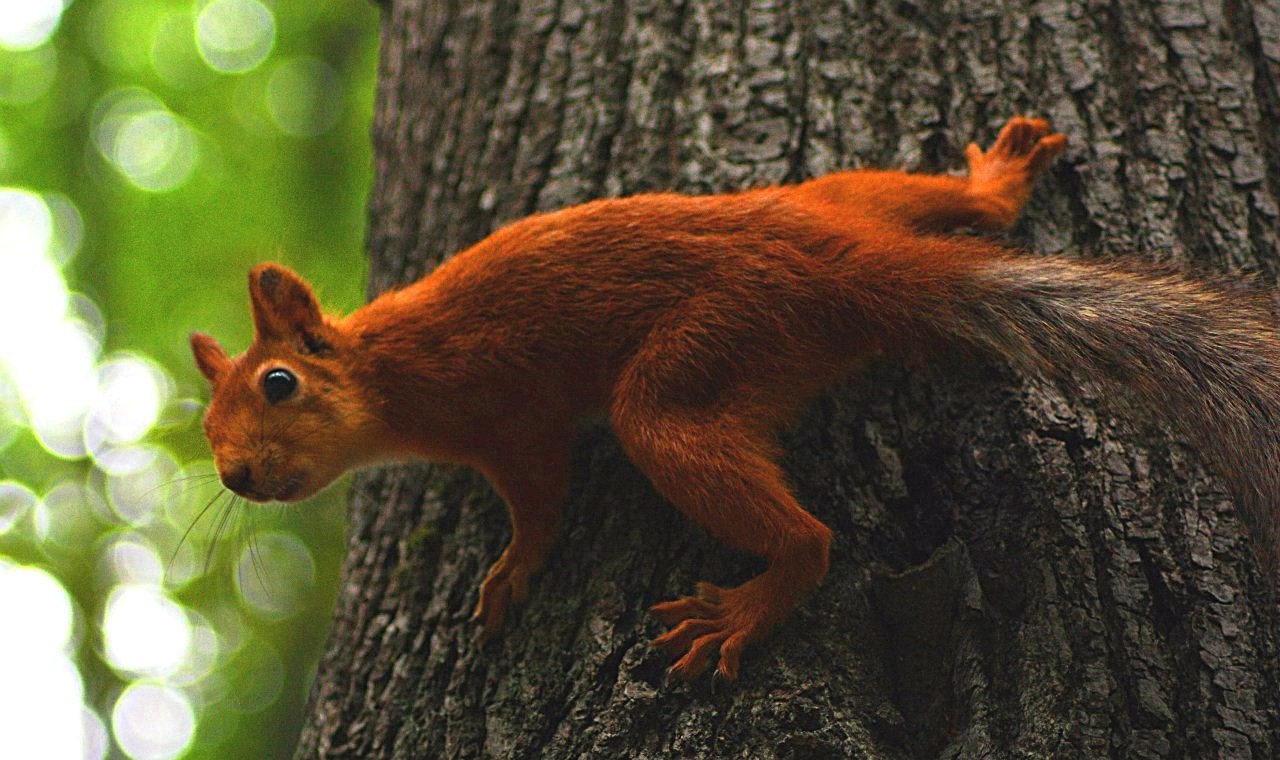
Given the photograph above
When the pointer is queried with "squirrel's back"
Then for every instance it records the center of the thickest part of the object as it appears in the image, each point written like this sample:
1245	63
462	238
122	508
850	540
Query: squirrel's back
756	277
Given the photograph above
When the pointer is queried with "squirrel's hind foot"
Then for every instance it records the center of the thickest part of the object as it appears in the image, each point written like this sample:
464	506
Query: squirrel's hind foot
717	618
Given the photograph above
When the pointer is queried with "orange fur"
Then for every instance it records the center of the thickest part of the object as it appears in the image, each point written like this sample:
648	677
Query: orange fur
698	325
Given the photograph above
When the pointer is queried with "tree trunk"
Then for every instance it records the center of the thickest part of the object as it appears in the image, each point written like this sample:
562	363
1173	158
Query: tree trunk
1019	570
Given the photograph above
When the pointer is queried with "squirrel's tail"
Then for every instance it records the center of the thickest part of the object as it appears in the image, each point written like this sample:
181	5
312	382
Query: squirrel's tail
1203	354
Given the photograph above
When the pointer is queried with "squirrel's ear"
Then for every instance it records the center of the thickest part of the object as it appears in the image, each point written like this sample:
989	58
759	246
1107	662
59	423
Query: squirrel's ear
210	357
285	308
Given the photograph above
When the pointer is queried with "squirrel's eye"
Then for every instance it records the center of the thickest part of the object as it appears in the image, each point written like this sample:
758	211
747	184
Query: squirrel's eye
279	384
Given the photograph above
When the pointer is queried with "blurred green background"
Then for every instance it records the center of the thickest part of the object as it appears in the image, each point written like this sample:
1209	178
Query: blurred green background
151	151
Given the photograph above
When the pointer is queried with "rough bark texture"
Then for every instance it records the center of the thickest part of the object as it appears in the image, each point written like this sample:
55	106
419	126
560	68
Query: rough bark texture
1019	570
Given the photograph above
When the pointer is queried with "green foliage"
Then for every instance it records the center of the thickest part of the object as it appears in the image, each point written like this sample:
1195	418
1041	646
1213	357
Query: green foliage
170	145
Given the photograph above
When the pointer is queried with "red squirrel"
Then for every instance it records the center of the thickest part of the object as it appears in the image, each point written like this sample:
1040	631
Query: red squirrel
699	326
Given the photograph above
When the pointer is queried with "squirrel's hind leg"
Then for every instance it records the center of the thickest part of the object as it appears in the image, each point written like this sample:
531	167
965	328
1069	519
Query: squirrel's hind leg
1001	178
725	477
990	198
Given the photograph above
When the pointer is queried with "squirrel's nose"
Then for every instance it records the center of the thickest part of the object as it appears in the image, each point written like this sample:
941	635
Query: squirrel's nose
238	479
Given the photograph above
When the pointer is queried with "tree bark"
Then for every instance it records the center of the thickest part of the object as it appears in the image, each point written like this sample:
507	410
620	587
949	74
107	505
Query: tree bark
1019	569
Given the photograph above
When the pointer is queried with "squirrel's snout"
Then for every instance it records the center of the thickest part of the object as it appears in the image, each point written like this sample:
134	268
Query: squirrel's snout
238	479
262	486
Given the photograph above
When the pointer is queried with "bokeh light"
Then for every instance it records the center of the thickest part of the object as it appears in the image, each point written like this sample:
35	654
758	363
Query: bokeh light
132	391
26	225
202	652
153	148
304	96
275	573
28	23
235	36
153	722
132	185
33	596
41	709
187	510
77	405
138	480
41	694
130	560
70	515
96	741
50	361
68	233
16	501
146	633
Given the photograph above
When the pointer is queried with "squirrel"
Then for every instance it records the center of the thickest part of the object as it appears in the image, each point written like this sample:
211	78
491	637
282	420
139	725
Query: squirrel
699	326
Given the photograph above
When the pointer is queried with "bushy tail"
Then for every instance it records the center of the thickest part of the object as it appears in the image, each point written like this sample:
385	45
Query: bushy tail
1202	354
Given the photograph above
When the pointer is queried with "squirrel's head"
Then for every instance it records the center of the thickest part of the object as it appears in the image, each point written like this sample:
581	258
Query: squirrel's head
285	419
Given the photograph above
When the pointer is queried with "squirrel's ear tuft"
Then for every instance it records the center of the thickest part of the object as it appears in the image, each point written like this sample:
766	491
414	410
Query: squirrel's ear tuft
210	358
284	308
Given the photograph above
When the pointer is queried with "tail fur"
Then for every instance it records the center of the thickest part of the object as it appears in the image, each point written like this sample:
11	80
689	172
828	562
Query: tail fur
1202	354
